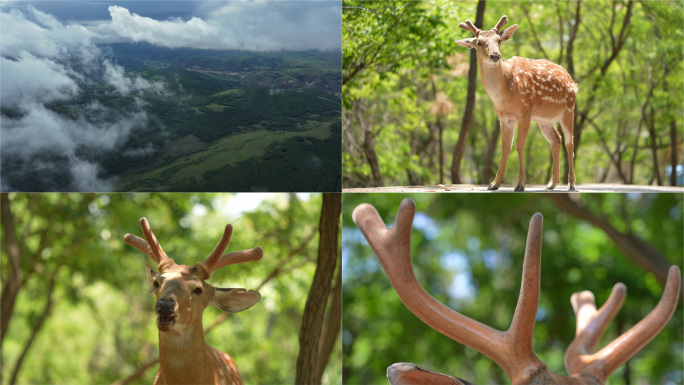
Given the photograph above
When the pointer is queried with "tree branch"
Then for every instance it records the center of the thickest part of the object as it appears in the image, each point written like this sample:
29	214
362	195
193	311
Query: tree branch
635	248
534	32
37	326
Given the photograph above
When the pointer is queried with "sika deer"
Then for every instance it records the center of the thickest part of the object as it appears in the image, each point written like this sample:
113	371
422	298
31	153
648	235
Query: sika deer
182	295
522	90
512	349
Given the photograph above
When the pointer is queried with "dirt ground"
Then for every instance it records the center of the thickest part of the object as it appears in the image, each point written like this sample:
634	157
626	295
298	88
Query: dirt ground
469	188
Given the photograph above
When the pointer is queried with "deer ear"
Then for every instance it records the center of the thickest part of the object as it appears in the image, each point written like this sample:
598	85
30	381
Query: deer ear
508	32
235	300
468	43
151	275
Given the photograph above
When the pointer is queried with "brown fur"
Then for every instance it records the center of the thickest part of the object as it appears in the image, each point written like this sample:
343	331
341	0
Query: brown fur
524	90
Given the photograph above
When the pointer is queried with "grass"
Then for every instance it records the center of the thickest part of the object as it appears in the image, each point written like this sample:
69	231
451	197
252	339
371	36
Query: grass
225	151
216	107
232	91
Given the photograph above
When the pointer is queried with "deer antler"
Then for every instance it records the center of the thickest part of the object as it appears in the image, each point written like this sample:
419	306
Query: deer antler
468	26
149	245
217	259
501	23
512	349
592	323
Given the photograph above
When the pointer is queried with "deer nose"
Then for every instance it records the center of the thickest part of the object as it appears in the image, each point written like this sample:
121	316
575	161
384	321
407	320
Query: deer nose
495	56
165	307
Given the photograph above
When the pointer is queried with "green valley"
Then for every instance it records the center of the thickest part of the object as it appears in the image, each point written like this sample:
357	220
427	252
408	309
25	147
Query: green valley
226	121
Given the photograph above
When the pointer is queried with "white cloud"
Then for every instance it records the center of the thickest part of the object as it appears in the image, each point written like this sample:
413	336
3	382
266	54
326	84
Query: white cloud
44	36
85	177
30	79
41	131
124	85
171	33
254	26
45	62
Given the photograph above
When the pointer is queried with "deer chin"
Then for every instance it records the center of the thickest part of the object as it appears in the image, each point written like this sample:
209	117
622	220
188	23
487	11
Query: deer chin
165	323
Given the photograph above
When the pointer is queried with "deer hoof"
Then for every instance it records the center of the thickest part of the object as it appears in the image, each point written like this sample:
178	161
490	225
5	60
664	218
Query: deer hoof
571	188
550	186
519	188
492	187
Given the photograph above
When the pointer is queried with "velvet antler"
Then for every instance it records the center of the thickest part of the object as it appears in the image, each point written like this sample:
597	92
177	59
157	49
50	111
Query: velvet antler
512	349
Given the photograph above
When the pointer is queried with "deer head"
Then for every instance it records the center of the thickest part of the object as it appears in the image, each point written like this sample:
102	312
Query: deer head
511	349
487	43
181	291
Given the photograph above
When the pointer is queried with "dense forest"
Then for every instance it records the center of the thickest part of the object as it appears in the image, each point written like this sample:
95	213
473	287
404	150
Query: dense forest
467	251
75	302
415	111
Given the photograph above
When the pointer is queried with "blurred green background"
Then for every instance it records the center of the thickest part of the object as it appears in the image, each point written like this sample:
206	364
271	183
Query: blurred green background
468	251
98	326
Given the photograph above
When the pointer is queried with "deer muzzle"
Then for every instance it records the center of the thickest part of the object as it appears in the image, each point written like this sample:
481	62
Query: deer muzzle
166	314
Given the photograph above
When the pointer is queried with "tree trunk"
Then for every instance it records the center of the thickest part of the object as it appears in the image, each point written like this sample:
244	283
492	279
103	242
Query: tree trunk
331	328
368	144
673	152
467	121
654	147
10	289
489	158
571	70
314	311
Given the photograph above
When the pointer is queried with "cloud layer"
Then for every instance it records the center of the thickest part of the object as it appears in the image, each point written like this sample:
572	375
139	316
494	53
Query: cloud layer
46	62
253	26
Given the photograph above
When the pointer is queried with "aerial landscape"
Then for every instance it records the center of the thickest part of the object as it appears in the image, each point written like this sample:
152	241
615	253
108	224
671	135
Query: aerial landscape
211	97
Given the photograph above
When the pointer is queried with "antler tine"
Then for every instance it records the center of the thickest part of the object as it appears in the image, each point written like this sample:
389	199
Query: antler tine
591	324
217	259
501	23
153	249
522	326
612	356
393	248
468	26
139	244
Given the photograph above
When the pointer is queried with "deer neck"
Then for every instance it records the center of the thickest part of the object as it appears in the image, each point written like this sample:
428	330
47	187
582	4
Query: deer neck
494	79
184	356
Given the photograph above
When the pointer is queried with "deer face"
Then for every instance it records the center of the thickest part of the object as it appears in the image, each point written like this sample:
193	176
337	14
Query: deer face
182	295
487	43
181	291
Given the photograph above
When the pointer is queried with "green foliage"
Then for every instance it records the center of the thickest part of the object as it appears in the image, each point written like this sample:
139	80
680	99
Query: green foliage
101	328
467	252
399	55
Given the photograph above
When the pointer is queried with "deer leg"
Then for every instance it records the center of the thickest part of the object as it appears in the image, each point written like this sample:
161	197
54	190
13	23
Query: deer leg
554	139
523	129
568	124
507	131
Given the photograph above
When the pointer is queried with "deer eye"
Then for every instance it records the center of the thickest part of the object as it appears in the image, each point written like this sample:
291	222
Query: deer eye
156	285
198	291
480	44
